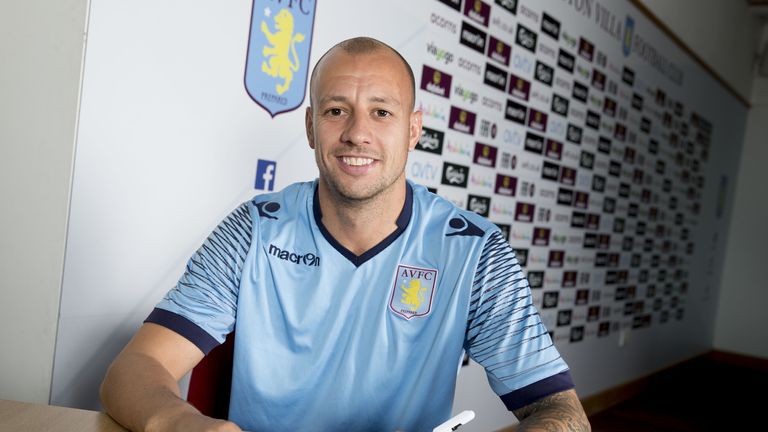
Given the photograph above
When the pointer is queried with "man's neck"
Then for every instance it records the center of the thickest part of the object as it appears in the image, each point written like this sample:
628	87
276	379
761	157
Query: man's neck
359	226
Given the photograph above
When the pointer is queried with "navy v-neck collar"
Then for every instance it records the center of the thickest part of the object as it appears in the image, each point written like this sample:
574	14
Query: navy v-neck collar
402	222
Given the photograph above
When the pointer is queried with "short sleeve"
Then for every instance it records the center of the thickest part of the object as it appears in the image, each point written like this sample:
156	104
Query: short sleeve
505	333
203	304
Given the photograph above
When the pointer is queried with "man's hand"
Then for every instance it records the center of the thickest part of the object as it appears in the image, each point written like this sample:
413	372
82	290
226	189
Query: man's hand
193	422
558	412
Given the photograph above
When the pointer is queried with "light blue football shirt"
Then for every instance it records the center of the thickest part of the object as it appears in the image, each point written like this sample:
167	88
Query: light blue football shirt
327	340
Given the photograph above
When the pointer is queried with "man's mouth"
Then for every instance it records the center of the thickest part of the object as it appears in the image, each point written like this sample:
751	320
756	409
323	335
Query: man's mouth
356	161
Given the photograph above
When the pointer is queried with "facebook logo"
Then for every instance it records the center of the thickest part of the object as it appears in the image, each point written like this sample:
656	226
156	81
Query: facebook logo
265	175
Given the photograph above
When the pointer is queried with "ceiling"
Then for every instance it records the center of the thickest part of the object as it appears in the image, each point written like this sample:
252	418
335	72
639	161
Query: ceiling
758	8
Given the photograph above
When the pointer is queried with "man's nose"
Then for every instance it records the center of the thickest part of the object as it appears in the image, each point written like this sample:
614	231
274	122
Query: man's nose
358	130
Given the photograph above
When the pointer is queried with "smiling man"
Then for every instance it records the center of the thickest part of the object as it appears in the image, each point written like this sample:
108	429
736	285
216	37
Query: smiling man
361	125
354	295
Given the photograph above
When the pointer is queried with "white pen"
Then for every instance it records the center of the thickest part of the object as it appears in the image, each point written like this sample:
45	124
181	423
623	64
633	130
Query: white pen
455	422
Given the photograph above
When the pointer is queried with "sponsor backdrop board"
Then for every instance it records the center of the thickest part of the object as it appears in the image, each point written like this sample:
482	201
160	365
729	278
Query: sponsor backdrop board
600	149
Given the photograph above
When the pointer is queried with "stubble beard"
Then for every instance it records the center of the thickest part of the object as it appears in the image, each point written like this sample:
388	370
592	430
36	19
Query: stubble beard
354	195
359	196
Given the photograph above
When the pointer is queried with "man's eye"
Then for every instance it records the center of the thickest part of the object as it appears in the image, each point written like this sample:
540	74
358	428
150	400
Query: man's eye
334	111
382	113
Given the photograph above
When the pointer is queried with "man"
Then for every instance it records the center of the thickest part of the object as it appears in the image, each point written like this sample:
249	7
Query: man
354	295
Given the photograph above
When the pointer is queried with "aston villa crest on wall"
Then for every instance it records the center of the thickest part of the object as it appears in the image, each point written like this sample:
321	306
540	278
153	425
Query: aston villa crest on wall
277	66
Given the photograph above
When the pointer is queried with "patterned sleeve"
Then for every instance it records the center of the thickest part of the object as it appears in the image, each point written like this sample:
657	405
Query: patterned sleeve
203	304
505	333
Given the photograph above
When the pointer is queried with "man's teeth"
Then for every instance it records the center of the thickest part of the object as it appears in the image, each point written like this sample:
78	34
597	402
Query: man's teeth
357	161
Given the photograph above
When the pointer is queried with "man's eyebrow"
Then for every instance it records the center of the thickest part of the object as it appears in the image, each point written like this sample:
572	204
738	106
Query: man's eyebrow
384	100
339	98
375	99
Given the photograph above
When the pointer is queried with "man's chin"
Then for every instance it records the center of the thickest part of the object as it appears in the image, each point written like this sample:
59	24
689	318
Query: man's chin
358	195
360	192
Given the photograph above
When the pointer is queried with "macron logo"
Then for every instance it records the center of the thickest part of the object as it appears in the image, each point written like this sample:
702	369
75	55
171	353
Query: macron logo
308	259
265	175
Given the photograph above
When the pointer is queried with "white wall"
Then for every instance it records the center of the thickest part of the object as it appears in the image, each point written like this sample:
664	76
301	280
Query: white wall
721	32
726	36
41	46
741	319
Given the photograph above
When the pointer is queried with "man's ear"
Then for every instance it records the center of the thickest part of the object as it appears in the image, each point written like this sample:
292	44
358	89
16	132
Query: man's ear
414	132
309	127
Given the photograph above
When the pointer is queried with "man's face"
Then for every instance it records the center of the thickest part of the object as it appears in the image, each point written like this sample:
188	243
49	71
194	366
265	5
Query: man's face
361	125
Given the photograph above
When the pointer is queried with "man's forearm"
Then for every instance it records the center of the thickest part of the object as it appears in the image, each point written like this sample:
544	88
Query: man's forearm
558	412
141	395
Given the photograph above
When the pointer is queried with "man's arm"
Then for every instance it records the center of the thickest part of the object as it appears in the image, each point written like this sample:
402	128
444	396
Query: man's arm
557	412
141	391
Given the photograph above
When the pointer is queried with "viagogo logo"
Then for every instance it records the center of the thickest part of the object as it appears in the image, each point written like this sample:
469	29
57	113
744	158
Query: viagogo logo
440	54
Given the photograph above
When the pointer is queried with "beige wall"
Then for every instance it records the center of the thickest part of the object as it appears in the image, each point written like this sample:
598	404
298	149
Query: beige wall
41	46
723	33
742	319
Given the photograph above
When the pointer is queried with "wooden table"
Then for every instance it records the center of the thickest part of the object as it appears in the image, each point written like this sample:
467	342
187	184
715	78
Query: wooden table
21	416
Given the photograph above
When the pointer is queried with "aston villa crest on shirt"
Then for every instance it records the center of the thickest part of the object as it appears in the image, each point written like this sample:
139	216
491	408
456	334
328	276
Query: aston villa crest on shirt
277	65
413	291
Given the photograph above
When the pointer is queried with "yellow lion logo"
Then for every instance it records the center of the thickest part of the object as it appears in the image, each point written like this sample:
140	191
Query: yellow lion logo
278	62
413	295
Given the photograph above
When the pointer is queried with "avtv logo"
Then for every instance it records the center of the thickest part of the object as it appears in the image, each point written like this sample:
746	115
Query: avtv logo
265	175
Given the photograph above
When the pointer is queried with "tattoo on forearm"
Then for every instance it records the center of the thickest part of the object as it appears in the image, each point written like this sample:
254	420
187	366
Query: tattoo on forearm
558	412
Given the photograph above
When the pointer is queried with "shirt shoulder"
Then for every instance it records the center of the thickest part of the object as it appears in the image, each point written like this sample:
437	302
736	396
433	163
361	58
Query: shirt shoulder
437	211
282	205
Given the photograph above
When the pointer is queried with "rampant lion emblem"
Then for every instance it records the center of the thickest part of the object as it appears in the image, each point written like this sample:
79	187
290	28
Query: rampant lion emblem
412	291
278	62
413	295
